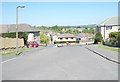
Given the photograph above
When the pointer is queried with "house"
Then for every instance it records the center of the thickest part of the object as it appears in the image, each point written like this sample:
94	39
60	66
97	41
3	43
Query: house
85	38
63	38
33	33
108	26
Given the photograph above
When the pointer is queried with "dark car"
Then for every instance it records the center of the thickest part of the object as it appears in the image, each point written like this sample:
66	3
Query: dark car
32	44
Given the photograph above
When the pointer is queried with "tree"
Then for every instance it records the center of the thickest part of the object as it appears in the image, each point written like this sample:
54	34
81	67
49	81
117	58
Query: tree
85	30
98	37
57	28
44	38
91	31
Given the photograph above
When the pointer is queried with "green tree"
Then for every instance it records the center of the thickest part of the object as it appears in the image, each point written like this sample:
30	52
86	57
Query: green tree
44	38
85	30
91	30
98	37
57	28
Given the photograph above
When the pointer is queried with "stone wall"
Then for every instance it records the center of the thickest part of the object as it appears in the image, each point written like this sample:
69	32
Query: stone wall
10	42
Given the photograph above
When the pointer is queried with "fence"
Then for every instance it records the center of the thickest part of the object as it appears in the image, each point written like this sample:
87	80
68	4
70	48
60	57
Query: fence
10	43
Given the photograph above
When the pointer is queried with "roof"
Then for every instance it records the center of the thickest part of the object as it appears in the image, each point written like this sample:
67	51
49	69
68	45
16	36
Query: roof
85	35
110	21
4	28
65	35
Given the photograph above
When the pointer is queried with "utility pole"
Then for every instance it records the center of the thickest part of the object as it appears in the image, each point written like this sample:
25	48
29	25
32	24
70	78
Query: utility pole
17	27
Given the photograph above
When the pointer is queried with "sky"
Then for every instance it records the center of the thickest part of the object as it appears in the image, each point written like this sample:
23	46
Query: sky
60	0
59	13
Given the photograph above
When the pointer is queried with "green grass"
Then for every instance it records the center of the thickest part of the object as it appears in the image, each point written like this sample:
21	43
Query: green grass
5	52
116	49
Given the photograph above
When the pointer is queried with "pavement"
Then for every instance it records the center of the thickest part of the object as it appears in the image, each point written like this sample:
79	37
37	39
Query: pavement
105	52
59	63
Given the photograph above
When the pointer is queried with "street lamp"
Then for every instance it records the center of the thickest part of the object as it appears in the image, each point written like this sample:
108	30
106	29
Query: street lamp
17	27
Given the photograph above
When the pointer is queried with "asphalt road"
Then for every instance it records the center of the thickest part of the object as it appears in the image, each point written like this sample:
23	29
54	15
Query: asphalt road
64	63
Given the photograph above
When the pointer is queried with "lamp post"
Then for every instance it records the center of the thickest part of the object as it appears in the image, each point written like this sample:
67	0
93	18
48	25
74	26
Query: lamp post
17	27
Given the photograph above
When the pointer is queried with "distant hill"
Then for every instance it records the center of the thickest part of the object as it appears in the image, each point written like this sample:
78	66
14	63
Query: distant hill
89	26
82	26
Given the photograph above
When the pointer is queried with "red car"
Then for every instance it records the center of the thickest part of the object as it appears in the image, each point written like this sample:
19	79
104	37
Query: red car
32	44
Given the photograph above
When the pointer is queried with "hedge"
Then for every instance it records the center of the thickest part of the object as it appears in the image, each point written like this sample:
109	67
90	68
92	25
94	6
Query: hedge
66	41
23	35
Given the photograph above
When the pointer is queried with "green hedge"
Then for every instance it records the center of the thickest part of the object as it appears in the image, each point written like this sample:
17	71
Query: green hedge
9	35
114	37
66	41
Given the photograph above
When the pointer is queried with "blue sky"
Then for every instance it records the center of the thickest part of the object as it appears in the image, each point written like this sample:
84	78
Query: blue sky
59	13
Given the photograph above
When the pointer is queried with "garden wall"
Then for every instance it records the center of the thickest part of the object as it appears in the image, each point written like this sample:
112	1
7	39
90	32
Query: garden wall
10	42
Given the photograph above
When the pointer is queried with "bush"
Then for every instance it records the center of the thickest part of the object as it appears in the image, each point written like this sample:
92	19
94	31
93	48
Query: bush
114	37
98	37
66	41
103	42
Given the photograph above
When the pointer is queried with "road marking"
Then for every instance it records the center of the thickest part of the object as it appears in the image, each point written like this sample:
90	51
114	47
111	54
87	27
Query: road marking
8	60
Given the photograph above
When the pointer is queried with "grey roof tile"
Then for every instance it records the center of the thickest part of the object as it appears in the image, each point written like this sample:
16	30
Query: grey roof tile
110	21
21	28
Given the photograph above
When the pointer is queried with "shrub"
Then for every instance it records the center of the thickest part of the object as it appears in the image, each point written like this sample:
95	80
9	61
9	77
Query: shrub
98	37
103	42
114	37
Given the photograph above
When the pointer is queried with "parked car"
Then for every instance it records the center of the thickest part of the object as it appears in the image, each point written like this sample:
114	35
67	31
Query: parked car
32	44
59	45
67	43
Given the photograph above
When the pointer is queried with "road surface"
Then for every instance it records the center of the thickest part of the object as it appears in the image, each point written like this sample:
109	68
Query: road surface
63	63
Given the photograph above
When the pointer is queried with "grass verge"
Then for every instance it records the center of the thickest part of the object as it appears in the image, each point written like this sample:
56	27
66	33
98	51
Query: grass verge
116	49
10	51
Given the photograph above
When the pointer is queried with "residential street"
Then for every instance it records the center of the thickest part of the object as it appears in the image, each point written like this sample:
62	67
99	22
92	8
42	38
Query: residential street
63	63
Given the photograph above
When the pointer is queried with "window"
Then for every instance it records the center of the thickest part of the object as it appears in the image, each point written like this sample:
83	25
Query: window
61	38
108	27
72	38
66	38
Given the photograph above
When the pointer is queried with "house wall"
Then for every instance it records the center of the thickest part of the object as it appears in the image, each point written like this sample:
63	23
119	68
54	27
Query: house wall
105	33
98	29
30	37
10	42
87	38
56	39
34	36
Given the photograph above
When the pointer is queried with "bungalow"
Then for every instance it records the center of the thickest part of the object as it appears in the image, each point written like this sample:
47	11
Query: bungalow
33	33
63	38
108	26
